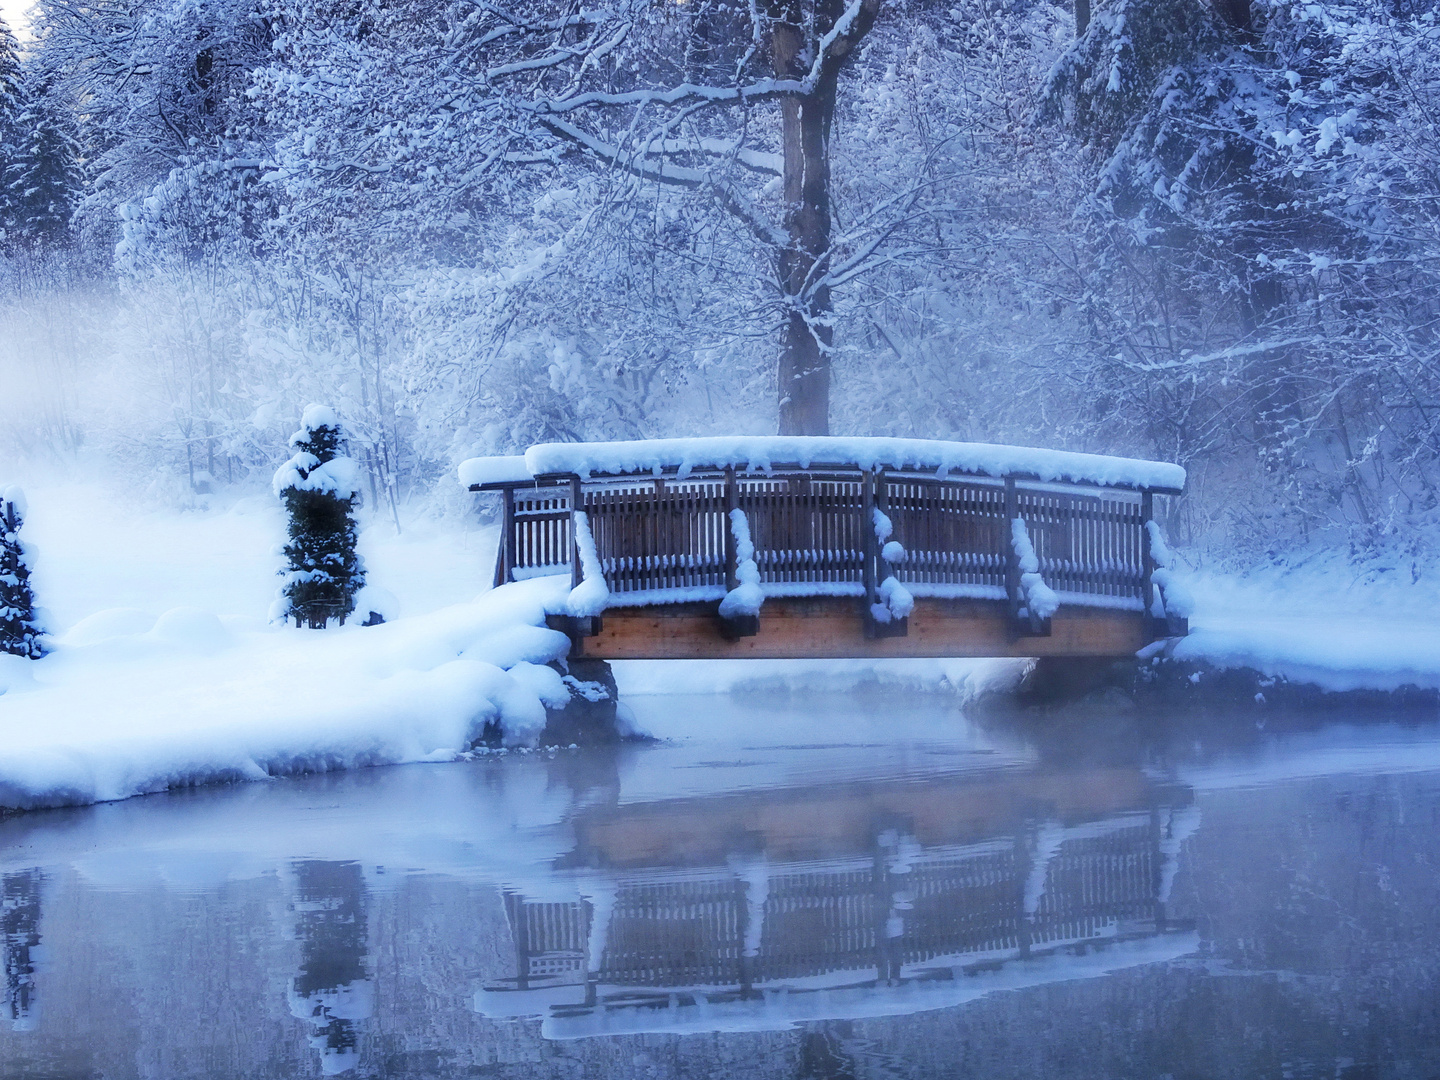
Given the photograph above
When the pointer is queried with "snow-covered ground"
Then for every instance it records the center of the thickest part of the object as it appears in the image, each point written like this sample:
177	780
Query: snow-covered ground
164	670
1320	621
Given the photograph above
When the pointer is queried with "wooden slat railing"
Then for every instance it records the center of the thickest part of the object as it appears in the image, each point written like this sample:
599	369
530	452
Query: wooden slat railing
665	538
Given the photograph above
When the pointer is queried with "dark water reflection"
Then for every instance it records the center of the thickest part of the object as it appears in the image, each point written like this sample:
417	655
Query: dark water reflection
952	900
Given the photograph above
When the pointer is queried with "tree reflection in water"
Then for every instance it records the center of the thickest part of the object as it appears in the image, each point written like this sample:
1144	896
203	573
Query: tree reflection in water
333	990
19	941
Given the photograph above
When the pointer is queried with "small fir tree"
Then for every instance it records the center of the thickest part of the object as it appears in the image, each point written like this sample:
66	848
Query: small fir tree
20	633
39	173
319	486
11	106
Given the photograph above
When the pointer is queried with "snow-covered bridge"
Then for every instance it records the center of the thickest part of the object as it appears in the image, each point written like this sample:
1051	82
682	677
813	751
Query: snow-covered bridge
754	546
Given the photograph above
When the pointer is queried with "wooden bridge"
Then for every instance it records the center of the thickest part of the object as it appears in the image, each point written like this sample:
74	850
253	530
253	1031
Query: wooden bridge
832	547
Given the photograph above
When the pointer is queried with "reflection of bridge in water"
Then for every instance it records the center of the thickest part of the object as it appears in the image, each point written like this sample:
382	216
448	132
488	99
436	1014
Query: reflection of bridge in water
911	896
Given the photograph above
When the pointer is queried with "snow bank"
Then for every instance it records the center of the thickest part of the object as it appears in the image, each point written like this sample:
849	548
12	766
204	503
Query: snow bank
1174	596
114	712
1320	621
759	453
1337	655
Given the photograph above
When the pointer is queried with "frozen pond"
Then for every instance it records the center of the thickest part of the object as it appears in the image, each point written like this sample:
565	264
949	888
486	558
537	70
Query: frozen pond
821	888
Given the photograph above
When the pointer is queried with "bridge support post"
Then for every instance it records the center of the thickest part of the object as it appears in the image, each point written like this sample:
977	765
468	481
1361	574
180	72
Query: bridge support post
738	626
505	557
876	566
577	505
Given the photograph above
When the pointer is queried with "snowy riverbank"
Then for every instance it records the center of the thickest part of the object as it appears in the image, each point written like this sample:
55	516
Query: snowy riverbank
164	671
1322	622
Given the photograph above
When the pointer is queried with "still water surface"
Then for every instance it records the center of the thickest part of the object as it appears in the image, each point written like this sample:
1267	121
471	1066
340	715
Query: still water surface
910	894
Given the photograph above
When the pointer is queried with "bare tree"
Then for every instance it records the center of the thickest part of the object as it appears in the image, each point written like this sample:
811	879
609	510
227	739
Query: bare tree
676	94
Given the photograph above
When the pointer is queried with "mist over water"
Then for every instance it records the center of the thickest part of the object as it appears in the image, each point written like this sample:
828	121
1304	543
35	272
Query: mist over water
1183	896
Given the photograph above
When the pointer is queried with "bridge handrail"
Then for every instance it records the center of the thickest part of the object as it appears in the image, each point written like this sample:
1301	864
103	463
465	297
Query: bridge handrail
666	538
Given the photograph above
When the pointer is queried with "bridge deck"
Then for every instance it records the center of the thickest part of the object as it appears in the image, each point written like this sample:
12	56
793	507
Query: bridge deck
719	557
833	627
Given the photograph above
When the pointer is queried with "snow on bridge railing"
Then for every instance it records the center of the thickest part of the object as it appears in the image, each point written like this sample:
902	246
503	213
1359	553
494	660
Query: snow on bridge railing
661	517
768	453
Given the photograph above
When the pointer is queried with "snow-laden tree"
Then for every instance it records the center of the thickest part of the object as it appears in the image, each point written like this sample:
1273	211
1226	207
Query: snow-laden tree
954	333
320	487
1258	286
734	104
20	632
11	105
158	85
39	155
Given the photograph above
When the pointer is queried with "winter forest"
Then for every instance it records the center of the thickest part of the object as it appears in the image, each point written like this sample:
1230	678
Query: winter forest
1202	231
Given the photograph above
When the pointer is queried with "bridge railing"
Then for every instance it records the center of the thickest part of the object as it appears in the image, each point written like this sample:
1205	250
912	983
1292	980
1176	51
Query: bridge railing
666	539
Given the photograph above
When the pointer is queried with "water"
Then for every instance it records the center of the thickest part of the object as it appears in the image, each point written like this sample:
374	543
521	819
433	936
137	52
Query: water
819	888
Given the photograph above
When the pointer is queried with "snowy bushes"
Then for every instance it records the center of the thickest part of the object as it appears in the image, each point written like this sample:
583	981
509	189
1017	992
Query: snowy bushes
319	486
19	631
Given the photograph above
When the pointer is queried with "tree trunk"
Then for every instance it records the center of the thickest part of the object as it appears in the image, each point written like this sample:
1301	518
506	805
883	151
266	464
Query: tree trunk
804	370
803	382
1082	17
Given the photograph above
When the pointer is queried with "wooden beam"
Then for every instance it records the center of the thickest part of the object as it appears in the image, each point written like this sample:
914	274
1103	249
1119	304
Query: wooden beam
833	628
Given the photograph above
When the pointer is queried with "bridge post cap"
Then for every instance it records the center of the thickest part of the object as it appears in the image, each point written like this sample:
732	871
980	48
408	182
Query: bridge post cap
767	453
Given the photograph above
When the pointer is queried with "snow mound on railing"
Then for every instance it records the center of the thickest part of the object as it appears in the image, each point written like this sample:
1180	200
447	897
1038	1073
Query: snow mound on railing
759	453
592	594
747	597
116	714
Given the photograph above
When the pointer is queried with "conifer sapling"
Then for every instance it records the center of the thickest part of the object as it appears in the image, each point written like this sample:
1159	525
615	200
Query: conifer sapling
20	633
320	487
